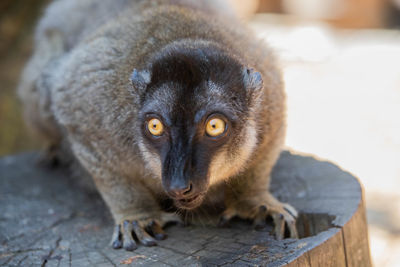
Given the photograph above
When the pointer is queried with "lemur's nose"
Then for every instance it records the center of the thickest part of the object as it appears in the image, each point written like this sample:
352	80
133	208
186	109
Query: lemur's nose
180	190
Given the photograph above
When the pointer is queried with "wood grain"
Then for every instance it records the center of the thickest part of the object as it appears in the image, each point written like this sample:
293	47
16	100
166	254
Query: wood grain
47	220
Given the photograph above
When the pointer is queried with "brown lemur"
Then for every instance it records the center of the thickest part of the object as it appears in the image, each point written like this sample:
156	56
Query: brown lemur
160	101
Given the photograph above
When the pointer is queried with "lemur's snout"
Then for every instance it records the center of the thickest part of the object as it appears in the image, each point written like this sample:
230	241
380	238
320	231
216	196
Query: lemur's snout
180	190
184	194
179	176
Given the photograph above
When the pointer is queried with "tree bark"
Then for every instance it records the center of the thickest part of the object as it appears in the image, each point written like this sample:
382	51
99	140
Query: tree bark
47	220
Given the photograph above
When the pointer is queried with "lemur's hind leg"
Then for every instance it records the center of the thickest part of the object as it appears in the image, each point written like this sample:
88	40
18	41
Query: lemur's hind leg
34	91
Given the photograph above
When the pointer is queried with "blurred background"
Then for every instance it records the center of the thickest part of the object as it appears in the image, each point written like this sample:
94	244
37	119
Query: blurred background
341	65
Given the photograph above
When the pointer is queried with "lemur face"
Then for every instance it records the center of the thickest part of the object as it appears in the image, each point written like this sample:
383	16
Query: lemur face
196	123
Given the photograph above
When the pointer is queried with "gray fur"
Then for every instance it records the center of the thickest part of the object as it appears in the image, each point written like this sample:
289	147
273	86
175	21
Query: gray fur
78	89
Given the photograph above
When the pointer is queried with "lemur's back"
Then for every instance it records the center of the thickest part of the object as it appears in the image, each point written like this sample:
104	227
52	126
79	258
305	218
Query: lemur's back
88	15
75	19
64	25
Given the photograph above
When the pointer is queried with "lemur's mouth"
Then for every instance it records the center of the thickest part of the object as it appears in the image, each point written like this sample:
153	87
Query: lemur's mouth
189	203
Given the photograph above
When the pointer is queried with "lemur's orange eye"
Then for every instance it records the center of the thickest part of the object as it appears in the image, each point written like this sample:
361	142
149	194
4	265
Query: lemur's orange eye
155	127
215	127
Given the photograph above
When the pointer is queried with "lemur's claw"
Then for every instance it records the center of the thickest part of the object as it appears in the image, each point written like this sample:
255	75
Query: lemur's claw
224	221
125	233
258	208
155	230
259	221
285	214
116	241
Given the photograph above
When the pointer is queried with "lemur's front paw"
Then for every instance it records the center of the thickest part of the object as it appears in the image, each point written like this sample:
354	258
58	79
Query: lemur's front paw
258	209
146	231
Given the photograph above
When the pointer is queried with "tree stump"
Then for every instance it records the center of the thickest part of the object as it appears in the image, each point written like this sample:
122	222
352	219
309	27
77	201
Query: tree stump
46	220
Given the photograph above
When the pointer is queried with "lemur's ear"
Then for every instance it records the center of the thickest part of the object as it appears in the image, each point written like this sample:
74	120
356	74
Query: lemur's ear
252	79
253	83
140	80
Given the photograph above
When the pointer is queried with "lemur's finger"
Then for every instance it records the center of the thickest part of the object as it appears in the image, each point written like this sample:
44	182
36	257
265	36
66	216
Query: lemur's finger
155	229
290	221
167	217
142	235
292	229
116	241
226	216
259	220
129	242
292	211
223	221
279	225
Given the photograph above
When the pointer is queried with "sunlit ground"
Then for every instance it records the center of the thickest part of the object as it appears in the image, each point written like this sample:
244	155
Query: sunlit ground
343	91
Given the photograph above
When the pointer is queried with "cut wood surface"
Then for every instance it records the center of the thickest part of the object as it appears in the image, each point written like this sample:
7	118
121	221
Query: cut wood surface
47	220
